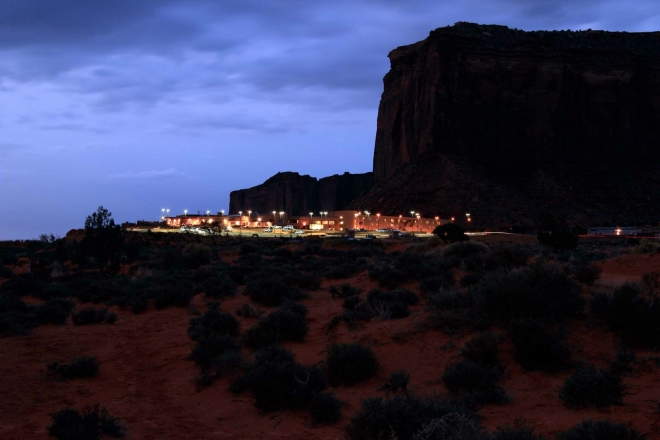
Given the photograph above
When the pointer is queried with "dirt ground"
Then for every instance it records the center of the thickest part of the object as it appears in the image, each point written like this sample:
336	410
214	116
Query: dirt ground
146	379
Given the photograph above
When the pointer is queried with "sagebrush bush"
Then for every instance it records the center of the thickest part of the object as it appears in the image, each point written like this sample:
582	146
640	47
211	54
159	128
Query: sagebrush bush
349	364
166	296
400	417
592	386
646	247
277	382
586	272
398	381
219	286
540	344
54	311
463	250
196	254
344	291
284	324
210	349
601	430
541	291
519	431
450	427
351	302
83	367
213	322
93	423
482	349
477	380
391	304
271	291
635	317
91	315
325	408
435	283
249	311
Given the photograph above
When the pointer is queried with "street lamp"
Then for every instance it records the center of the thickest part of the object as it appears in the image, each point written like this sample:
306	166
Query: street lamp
378	224
222	212
368	222
418	222
311	217
208	213
436	220
168	212
240	219
467	214
185	212
281	214
452	219
249	217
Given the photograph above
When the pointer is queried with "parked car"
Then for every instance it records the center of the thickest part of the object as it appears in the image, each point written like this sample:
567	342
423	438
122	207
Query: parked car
370	236
362	230
381	230
268	230
299	232
288	228
277	227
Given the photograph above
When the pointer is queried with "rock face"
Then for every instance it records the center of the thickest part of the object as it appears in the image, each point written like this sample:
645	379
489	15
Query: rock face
299	195
547	120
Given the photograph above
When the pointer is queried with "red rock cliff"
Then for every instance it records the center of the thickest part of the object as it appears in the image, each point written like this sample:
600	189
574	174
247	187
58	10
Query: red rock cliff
510	100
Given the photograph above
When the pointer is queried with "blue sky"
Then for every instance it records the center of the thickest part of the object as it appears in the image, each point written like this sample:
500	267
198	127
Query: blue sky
139	105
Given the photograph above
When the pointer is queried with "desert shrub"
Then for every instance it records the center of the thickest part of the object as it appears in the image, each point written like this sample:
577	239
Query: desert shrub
325	408
361	312
23	284
465	249
477	380
213	322
540	344
210	349
470	279
219	286
6	272
590	385
398	381
540	291
585	272
601	430
386	273
196	254
54	290
400	417
344	291
284	324
634	317
83	367
450	233
309	282
93	423
277	382
54	311
349	364
651	283
437	282
271	291
450	427
519	431
139	305
482	349
166	296
249	311
646	247
391	304
91	315
351	302
249	248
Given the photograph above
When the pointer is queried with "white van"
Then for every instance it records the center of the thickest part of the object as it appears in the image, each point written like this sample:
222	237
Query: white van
288	228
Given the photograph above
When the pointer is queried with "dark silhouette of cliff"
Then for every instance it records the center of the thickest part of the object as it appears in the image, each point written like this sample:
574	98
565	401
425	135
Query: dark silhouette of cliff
510	124
299	195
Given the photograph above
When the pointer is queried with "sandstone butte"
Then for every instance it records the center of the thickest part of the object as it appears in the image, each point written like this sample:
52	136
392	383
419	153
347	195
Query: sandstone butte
511	125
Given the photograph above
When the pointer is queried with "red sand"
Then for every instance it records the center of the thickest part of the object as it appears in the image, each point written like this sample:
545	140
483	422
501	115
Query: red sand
145	377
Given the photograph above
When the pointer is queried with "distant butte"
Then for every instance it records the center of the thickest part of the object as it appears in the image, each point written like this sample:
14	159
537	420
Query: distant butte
511	125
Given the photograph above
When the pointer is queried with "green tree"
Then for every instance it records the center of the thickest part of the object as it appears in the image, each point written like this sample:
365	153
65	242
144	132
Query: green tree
555	233
103	238
450	233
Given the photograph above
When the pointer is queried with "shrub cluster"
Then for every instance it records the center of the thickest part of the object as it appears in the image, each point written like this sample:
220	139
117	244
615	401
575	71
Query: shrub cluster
249	311
635	317
585	272
277	381
83	367
287	323
400	417
398	381
90	315
483	349
271	290
17	318
391	304
601	430
93	423
344	291
540	344
349	364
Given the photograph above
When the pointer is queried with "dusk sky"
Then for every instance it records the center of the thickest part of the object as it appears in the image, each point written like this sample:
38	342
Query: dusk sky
139	105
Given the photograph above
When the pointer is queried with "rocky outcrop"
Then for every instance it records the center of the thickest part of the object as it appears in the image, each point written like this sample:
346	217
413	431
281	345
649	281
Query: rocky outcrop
299	195
515	124
514	101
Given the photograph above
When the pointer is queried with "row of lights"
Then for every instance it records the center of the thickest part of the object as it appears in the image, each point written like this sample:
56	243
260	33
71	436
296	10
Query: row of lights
185	213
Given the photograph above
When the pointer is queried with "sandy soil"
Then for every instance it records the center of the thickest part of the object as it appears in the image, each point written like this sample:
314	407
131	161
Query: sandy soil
145	377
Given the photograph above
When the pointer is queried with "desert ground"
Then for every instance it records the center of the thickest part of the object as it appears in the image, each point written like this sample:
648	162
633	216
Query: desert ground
146	378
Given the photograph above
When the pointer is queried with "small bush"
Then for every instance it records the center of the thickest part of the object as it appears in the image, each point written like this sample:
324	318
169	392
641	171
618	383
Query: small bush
436	283
349	364
391	304
309	282
92	424
479	381
277	382
590	385
209	350
482	349
398	381
83	367
585	272
219	286
249	311
283	324
166	296
351	302
400	417
196	254
344	291
213	322
601	430
325	408
463	250
54	311
540	345
271	291
91	315
450	427
519	431
646	247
